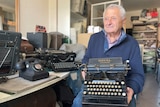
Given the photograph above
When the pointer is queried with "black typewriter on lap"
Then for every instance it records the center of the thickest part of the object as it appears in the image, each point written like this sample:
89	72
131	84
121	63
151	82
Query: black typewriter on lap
104	84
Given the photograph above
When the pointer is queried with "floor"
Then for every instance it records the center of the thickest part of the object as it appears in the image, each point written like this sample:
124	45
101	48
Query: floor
150	96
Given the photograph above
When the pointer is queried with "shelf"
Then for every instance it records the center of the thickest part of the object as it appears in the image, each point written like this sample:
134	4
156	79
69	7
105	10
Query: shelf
153	64
77	15
144	21
145	31
97	18
146	38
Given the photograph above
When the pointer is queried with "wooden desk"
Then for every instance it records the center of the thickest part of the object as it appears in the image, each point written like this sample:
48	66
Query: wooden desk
43	83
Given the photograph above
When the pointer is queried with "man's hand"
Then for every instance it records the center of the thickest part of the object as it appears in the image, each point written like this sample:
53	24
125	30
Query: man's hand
83	73
129	94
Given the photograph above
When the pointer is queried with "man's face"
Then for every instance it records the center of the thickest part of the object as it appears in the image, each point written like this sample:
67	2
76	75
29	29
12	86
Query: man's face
113	21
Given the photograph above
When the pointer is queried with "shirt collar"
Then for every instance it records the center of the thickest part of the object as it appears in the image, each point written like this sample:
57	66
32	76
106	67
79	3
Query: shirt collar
120	39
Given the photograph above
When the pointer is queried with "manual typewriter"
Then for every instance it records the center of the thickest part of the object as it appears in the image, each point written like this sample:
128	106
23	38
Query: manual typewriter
104	84
57	60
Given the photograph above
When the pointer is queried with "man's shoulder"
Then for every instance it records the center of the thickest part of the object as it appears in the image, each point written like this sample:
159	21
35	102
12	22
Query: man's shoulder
98	34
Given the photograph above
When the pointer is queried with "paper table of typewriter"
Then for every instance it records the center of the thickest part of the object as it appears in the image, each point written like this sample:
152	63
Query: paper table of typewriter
104	83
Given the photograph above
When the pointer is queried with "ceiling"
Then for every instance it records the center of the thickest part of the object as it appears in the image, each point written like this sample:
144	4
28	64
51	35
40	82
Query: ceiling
131	5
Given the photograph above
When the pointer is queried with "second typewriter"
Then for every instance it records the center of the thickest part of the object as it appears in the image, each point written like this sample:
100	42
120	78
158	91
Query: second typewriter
104	84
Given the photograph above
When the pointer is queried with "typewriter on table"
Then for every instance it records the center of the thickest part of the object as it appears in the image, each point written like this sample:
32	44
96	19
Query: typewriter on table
104	84
57	60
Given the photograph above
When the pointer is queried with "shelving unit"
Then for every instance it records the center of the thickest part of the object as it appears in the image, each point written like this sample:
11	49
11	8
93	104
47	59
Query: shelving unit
97	11
8	19
78	18
145	31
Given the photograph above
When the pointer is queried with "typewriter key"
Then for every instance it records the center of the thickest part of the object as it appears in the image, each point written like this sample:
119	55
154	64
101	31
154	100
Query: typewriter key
112	86
111	93
119	86
115	94
119	94
110	90
99	93
120	90
92	93
122	82
102	93
89	82
85	82
113	90
105	93
117	90
90	85
84	92
123	94
108	93
95	93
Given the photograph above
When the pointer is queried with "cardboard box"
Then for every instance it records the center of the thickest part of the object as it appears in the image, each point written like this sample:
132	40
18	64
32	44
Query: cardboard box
83	38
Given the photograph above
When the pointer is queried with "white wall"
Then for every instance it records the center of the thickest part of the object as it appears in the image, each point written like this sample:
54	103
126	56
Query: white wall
129	14
52	15
32	13
59	16
44	12
64	17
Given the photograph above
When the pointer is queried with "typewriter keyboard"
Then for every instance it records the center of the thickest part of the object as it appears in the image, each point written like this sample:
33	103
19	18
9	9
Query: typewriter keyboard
105	92
64	66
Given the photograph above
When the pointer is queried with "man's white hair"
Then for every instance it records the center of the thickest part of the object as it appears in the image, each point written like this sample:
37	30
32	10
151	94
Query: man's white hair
122	10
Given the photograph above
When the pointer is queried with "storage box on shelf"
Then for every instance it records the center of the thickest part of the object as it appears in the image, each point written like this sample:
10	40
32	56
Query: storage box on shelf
146	33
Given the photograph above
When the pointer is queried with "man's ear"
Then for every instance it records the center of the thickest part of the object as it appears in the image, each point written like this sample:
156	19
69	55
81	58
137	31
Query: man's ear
124	21
124	24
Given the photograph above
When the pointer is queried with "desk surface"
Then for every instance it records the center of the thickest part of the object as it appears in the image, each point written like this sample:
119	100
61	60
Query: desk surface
30	88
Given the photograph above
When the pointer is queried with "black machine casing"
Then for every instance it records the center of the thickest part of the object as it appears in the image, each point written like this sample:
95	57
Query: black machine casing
32	69
65	60
9	51
55	56
104	84
38	39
